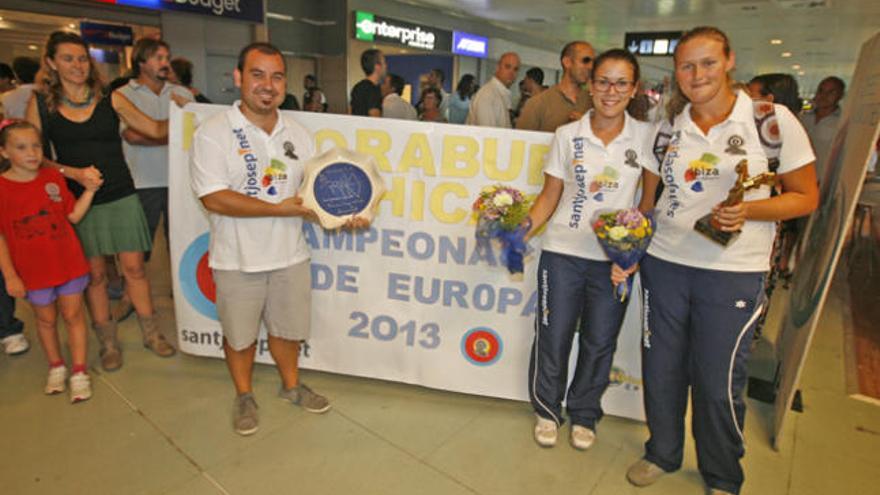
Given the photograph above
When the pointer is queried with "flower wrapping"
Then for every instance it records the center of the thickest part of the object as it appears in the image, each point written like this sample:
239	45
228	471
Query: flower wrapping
502	213
624	236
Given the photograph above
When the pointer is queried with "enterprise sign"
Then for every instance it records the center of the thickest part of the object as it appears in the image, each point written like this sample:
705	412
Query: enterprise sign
371	27
245	10
652	44
469	44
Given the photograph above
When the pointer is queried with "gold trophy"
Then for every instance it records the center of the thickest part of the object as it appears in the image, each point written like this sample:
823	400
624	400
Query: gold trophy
709	227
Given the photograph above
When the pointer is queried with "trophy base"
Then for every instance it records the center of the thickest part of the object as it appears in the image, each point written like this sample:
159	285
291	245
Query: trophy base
705	227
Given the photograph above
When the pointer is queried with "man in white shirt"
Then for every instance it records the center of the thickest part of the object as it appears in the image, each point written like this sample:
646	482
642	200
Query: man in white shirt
247	164
15	101
821	122
393	106
150	91
491	105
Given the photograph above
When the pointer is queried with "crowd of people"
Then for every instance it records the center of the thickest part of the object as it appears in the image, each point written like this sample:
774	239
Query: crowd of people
84	184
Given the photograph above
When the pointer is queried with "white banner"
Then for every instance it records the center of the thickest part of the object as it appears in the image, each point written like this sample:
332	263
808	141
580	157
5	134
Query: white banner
413	299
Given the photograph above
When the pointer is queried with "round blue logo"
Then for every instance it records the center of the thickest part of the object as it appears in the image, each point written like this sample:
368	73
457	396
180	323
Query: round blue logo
343	189
196	278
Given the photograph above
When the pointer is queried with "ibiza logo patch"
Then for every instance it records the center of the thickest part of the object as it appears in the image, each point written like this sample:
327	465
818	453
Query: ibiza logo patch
701	169
734	145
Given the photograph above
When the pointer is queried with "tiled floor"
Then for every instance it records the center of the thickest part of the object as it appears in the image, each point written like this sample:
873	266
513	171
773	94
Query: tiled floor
163	427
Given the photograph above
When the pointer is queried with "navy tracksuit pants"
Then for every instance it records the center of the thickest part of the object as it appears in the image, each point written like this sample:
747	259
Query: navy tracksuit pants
9	324
572	289
697	327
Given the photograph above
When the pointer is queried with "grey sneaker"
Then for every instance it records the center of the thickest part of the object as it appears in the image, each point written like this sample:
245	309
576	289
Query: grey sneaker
303	396
244	415
644	473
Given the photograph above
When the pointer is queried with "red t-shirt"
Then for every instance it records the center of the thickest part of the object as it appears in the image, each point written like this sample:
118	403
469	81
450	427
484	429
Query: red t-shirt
33	219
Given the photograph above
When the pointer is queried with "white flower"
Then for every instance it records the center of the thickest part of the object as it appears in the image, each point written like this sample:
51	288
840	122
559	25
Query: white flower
502	200
617	233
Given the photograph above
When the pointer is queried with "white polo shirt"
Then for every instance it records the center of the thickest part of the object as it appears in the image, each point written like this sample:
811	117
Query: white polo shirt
697	174
232	153
491	105
597	179
149	164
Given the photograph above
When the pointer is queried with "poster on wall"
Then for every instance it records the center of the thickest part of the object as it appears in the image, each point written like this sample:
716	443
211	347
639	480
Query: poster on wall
413	299
826	230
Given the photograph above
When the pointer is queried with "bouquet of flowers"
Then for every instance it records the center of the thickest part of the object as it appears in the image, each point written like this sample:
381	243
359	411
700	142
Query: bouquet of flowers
501	213
625	236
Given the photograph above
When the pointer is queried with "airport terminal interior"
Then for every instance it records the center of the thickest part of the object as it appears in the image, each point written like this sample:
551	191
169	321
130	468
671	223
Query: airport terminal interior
163	426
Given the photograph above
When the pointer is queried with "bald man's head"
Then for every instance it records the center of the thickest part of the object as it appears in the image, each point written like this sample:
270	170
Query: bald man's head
507	69
577	61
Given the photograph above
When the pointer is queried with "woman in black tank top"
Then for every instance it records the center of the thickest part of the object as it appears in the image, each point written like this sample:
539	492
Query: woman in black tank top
81	123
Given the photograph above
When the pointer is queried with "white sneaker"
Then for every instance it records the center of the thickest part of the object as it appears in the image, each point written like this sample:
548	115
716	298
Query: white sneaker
55	380
545	431
80	388
582	438
15	344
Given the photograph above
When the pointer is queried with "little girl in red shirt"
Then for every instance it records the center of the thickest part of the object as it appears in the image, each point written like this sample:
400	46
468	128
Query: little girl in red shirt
40	256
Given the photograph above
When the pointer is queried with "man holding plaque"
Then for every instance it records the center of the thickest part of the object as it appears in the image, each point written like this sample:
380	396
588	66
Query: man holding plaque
247	166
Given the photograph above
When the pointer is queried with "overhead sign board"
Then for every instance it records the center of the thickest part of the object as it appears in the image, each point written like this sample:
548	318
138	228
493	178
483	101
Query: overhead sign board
469	44
652	44
245	10
374	28
106	34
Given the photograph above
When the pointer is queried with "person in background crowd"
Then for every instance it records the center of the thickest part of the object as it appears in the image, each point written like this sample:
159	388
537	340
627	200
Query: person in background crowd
777	88
7	78
491	105
366	97
701	299
290	102
821	122
259	256
430	105
314	100
436	79
574	273
461	99
149	91
566	101
182	74
15	101
82	123
393	106
310	82
41	258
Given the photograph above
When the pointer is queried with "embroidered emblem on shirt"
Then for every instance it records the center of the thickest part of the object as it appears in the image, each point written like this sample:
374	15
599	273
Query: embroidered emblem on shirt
734	145
53	191
631	158
289	150
740	304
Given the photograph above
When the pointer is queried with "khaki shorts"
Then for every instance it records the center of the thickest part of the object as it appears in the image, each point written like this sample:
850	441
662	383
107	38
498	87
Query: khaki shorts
281	299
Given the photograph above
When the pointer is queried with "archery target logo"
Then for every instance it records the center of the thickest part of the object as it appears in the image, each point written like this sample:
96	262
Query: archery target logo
196	278
481	346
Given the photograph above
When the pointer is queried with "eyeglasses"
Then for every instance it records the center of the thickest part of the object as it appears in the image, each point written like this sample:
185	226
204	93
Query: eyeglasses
621	85
586	59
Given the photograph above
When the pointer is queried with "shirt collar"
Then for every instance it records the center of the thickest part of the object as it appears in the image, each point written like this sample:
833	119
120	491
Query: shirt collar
501	87
135	85
743	112
586	130
237	119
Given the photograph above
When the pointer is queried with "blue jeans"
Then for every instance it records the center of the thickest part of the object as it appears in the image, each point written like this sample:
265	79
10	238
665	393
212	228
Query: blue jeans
9	324
573	294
